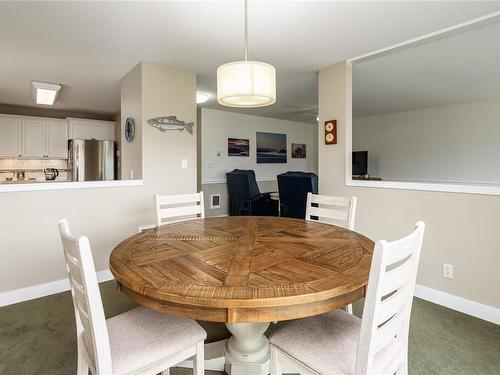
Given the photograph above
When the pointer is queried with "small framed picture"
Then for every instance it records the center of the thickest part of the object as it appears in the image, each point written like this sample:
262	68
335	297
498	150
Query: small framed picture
238	147
299	151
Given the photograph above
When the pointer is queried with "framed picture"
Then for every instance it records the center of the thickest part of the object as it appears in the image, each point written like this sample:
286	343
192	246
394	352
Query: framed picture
299	151
271	148
238	147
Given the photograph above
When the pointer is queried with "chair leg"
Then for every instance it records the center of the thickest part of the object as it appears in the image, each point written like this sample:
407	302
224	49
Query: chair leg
275	365
348	309
401	371
199	359
83	367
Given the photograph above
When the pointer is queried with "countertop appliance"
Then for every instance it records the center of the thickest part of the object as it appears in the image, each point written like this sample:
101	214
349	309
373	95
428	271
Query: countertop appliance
20	175
51	174
91	160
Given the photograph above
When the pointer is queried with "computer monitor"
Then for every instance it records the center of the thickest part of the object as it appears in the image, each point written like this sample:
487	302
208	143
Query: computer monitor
359	163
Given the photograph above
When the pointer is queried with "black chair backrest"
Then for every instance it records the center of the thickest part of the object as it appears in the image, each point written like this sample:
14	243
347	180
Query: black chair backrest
242	188
242	185
293	188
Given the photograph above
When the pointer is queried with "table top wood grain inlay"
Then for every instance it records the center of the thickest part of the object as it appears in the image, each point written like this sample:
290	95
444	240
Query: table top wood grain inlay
243	269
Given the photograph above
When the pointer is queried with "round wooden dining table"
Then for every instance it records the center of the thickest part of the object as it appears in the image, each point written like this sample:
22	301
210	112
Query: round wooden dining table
245	272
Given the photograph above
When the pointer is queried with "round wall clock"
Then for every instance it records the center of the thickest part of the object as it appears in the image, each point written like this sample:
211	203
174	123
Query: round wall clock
129	129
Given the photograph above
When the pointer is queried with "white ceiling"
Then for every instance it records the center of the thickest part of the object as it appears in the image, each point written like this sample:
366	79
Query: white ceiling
458	68
89	46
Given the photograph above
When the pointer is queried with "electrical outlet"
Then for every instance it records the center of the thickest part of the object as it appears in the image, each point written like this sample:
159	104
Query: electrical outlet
447	271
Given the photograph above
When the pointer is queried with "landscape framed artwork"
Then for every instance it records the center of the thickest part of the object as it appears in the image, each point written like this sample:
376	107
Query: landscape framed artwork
299	151
238	147
271	148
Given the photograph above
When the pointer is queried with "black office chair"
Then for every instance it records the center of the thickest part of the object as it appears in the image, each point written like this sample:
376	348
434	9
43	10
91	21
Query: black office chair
293	188
245	198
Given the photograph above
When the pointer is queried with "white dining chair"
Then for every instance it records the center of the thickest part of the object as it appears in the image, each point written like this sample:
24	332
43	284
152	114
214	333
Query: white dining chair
340	343
329	209
140	341
174	208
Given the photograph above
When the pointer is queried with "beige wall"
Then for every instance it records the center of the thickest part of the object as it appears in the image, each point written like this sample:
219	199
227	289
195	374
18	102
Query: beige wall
462	229
131	106
30	247
169	93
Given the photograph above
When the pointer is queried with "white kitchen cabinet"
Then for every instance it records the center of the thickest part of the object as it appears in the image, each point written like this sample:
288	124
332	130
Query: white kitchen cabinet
33	143
10	137
91	129
39	137
56	134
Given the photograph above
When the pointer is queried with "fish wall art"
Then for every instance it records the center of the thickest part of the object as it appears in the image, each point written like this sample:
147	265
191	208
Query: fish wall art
171	123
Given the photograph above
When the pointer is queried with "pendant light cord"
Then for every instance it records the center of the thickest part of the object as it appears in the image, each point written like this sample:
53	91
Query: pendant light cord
246	30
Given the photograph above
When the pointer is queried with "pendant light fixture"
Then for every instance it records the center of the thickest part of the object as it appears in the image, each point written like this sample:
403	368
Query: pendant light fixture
246	84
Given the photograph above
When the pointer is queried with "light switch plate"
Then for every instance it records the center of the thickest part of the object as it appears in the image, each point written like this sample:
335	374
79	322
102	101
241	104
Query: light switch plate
184	163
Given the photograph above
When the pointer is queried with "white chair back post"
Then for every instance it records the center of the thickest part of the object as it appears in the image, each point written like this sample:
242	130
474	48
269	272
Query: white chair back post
92	332
174	208
383	343
332	210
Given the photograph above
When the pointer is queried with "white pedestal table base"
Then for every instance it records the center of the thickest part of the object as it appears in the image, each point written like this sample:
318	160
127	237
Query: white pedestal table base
245	353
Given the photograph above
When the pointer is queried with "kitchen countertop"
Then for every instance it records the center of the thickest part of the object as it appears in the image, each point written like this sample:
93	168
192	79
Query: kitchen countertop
14	186
30	181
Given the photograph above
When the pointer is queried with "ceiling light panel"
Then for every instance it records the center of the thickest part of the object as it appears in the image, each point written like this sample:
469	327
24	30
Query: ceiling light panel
45	93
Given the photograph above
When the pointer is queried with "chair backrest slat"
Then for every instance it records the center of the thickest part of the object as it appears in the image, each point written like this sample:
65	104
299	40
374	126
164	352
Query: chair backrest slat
178	199
74	271
331	210
91	326
396	278
326	213
393	304
179	211
173	208
405	247
331	200
388	332
386	315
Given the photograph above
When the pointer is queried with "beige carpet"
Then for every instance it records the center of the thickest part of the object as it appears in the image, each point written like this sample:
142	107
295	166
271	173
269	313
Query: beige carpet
38	337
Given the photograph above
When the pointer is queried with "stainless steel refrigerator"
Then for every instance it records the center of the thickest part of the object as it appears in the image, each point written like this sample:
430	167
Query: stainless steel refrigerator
91	160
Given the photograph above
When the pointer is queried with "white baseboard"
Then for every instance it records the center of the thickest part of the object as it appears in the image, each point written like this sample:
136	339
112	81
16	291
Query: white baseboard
476	309
41	290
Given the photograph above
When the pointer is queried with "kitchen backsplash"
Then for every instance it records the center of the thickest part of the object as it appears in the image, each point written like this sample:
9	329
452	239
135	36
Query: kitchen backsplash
33	168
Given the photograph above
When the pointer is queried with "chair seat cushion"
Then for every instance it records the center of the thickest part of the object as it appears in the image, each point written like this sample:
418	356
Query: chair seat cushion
325	343
142	337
